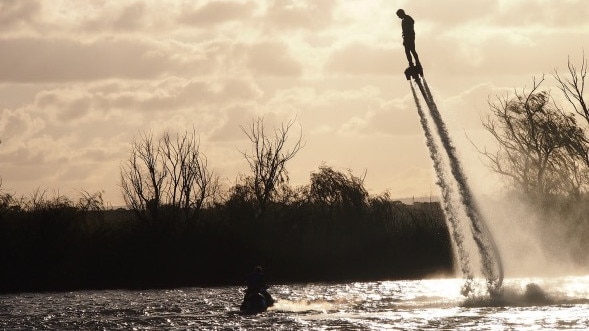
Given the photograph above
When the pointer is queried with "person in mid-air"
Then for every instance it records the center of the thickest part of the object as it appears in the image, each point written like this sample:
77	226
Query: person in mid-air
408	37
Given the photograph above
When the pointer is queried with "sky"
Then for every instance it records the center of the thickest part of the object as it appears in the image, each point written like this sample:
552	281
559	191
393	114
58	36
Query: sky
80	80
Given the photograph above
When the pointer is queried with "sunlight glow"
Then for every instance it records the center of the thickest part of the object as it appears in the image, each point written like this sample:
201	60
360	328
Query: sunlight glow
368	22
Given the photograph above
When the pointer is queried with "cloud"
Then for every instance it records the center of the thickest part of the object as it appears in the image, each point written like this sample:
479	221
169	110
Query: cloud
17	12
525	13
130	17
60	160
450	13
361	111
229	91
306	14
361	59
233	118
447	15
80	79
17	125
216	12
90	115
272	59
60	60
383	118
499	55
470	107
38	150
38	60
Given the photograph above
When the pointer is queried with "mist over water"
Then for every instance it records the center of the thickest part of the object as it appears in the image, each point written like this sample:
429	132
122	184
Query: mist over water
534	242
459	204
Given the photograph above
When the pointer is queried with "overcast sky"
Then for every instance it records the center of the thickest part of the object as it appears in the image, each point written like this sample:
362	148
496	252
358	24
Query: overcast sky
80	79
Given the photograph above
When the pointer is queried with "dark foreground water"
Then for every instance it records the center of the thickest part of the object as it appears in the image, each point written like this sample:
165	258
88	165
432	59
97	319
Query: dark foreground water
392	305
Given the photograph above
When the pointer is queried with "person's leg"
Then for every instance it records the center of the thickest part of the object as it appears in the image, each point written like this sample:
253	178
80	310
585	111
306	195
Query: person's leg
415	55
409	44
408	54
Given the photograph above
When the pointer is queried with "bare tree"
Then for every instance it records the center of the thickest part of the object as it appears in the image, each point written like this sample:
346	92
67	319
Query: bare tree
538	144
142	176
171	172
198	183
573	88
205	185
267	159
90	201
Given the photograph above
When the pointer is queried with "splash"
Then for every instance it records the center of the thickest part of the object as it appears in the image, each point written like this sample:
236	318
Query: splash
448	204
458	201
322	306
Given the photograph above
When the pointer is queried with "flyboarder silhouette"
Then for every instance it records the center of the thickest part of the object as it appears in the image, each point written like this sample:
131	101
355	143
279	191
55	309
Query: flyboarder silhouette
408	36
407	24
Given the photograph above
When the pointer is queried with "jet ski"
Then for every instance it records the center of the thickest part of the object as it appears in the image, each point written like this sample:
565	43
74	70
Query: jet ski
256	302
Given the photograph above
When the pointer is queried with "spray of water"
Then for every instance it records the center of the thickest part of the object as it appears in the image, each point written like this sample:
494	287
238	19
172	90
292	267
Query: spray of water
492	267
447	194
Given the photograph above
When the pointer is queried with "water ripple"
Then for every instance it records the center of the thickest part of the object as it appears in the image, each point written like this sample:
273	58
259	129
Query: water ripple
409	305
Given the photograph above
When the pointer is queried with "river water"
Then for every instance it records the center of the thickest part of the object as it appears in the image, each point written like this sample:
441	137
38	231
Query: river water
434	304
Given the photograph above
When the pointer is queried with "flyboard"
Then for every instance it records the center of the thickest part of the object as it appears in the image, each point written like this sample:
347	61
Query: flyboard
414	71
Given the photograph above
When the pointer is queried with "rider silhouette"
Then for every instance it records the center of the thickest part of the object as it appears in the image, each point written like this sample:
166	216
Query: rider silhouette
257	284
255	280
408	37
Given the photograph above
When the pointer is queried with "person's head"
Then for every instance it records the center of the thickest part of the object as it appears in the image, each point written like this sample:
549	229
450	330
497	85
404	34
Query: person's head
258	269
401	13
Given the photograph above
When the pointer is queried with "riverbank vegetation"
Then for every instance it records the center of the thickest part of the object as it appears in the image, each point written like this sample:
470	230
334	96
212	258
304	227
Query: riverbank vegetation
330	230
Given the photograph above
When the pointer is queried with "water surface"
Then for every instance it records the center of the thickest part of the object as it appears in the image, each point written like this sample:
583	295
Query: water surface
389	305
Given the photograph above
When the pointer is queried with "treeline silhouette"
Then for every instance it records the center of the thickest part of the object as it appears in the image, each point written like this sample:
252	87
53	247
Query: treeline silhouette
333	233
